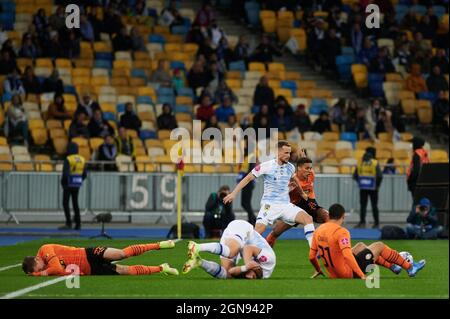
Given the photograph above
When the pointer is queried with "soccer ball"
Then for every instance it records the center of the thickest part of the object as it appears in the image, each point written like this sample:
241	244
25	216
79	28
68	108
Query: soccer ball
407	256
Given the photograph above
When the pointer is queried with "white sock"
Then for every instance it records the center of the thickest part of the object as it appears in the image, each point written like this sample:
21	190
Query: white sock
309	232
214	269
216	248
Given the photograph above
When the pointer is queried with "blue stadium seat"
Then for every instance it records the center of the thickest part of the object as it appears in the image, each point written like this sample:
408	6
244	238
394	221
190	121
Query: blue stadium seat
70	89
162	99
105	64
317	106
344	66
350	137
439	11
120	108
156	38
139	73
255	109
185	91
6	97
180	29
165	91
347	51
252	10
147	134
224	3
420	9
107	56
177	65
430	96
238	66
144	99
180	108
109	116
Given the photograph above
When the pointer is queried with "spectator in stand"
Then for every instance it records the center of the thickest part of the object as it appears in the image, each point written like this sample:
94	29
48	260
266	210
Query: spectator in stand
434	22
13	84
198	76
409	21
322	124
415	81
161	75
57	109
440	112
420	157
281	101
167	121
357	38
242	49
72	46
382	63
16	126
98	126
28	48
205	111
53	83
215	33
137	42
53	47
351	110
316	41
212	122
95	22
8	46
215	77
384	123
263	112
224	90
3	34
225	109
112	21
78	128
40	21
337	113
30	82
265	51
332	48
436	81
282	121
205	16
58	19
122	41
403	55
420	46
178	79
427	28
107	152
170	16
129	119
86	29
264	93
87	105
125	143
7	64
441	60
301	119
368	52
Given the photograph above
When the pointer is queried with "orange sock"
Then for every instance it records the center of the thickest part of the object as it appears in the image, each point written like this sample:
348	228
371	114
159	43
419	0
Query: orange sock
393	256
138	270
271	239
383	262
135	250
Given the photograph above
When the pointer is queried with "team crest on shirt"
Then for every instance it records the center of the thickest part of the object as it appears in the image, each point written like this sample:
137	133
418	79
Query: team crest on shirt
262	259
345	241
257	167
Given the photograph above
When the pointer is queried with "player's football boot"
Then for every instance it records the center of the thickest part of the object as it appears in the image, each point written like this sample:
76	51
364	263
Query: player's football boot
166	244
396	269
191	264
416	267
193	249
167	270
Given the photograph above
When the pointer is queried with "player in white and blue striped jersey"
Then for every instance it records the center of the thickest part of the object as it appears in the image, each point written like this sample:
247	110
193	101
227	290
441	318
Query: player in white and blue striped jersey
275	202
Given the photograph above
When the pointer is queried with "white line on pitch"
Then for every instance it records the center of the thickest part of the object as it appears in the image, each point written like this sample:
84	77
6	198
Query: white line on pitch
9	267
24	291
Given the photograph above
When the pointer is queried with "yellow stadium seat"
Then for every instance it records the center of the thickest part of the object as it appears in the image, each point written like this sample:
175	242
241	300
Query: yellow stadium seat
257	66
234	75
438	156
3	141
361	79
405	94
292	76
409	106
359	68
84	63
85	152
57	132
40	136
63	63
36	123
100	80
95	142
276	66
43	163
144	164
394	77
234	84
44	62
385	137
425	115
330	136
406	137
100	46
153	143
122	64
60	145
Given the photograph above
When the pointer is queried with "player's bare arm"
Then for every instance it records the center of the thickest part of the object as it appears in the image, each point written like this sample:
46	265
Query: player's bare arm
247	179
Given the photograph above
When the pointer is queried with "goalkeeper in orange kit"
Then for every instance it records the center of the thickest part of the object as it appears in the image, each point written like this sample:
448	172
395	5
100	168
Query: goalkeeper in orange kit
52	260
332	243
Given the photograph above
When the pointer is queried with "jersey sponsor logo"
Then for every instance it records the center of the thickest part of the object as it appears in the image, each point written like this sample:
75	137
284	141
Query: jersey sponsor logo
345	241
257	167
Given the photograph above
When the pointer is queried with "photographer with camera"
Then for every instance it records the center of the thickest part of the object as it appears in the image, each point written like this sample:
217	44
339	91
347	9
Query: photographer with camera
422	221
217	214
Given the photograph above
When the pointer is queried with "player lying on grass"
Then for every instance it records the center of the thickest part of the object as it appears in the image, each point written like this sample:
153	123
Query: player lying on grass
303	197
52	260
275	204
332	242
239	238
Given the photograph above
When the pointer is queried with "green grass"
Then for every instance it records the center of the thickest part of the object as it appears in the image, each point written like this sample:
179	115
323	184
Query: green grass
289	280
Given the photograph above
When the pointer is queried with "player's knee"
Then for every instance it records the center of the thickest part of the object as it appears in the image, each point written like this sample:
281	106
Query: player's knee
380	245
360	245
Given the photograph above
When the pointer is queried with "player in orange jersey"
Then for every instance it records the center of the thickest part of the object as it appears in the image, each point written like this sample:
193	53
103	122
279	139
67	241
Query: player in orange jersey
52	260
303	197
332	242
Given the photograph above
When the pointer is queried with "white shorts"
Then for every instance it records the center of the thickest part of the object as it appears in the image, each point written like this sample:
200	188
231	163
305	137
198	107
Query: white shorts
238	230
269	213
267	260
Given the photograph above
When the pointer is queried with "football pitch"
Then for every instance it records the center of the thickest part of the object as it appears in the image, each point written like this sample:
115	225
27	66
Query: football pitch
289	280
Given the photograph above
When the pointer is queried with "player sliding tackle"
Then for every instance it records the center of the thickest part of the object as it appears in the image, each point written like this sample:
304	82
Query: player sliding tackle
52	260
238	238
275	203
332	242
